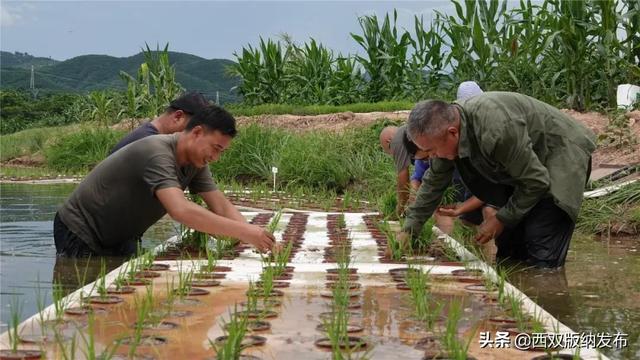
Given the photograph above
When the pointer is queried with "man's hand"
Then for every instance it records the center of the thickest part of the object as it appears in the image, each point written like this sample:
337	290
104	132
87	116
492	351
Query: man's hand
490	228
260	238
452	210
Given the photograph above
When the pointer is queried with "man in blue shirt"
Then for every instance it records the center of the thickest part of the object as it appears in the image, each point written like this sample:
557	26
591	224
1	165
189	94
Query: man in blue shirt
173	120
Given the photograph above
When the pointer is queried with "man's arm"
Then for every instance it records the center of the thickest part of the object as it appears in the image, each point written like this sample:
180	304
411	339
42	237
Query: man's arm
429	195
402	190
220	205
198	218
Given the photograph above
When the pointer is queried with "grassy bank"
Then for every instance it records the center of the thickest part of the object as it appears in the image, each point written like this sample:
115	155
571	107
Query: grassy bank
278	109
347	162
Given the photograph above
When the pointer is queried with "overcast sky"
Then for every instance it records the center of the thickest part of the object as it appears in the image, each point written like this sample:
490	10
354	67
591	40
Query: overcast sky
210	29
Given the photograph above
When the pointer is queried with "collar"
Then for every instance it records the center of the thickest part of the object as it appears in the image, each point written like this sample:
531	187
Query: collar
463	142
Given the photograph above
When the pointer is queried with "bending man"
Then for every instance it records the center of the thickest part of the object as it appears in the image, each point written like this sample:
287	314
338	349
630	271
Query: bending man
133	188
513	151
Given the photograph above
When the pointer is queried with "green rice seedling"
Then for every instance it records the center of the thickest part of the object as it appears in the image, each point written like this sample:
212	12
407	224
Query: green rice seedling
456	349
89	350
41	300
281	258
60	301
143	307
212	260
13	331
252	297
81	277
423	303
101	283
171	295
123	276
184	283
66	349
395	248
267	281
235	330
515	310
273	224
224	245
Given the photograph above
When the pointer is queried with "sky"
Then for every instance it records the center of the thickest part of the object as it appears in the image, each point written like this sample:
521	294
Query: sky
210	29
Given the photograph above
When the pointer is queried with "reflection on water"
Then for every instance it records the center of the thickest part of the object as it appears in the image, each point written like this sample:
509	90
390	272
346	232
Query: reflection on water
598	290
27	250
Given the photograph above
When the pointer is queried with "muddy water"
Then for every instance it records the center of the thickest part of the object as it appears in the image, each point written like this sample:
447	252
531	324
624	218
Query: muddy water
27	250
597	291
385	316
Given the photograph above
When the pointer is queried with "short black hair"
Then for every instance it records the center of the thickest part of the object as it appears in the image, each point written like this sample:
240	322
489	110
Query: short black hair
213	117
189	103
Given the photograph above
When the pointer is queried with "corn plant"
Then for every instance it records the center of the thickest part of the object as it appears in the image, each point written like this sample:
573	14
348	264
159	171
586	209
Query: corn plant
386	54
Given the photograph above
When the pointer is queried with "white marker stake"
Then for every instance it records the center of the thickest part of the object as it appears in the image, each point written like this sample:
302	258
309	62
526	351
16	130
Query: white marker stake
274	171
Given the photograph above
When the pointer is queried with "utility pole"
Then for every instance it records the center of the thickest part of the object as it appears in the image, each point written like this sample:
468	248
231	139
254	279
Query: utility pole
217	97
32	84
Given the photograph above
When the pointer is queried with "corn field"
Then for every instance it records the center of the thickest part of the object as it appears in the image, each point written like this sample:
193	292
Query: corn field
569	53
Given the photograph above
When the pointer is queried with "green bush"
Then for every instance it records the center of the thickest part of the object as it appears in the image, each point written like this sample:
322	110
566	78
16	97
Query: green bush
81	150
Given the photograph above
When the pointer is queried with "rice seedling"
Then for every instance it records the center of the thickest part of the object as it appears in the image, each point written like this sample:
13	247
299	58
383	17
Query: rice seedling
212	260
224	245
41	300
184	283
235	329
281	257
89	349
66	348
267	276
456	348
124	276
424	305
143	306
60	301
171	295
395	248
275	220
13	330
101	283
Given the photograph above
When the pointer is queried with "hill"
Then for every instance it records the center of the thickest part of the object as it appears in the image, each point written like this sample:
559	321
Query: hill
98	72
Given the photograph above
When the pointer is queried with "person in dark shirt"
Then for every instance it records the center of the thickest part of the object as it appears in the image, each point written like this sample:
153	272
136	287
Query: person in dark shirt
173	120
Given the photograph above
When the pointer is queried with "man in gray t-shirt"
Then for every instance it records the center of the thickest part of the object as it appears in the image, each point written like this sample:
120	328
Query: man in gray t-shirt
134	187
394	141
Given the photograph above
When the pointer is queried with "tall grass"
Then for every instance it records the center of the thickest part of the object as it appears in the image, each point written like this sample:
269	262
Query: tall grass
322	160
81	150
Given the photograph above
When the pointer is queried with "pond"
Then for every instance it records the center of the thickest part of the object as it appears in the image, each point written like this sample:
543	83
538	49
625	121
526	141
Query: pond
27	250
597	291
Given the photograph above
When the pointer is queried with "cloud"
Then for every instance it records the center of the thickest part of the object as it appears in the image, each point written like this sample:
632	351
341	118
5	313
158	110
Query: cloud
8	16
